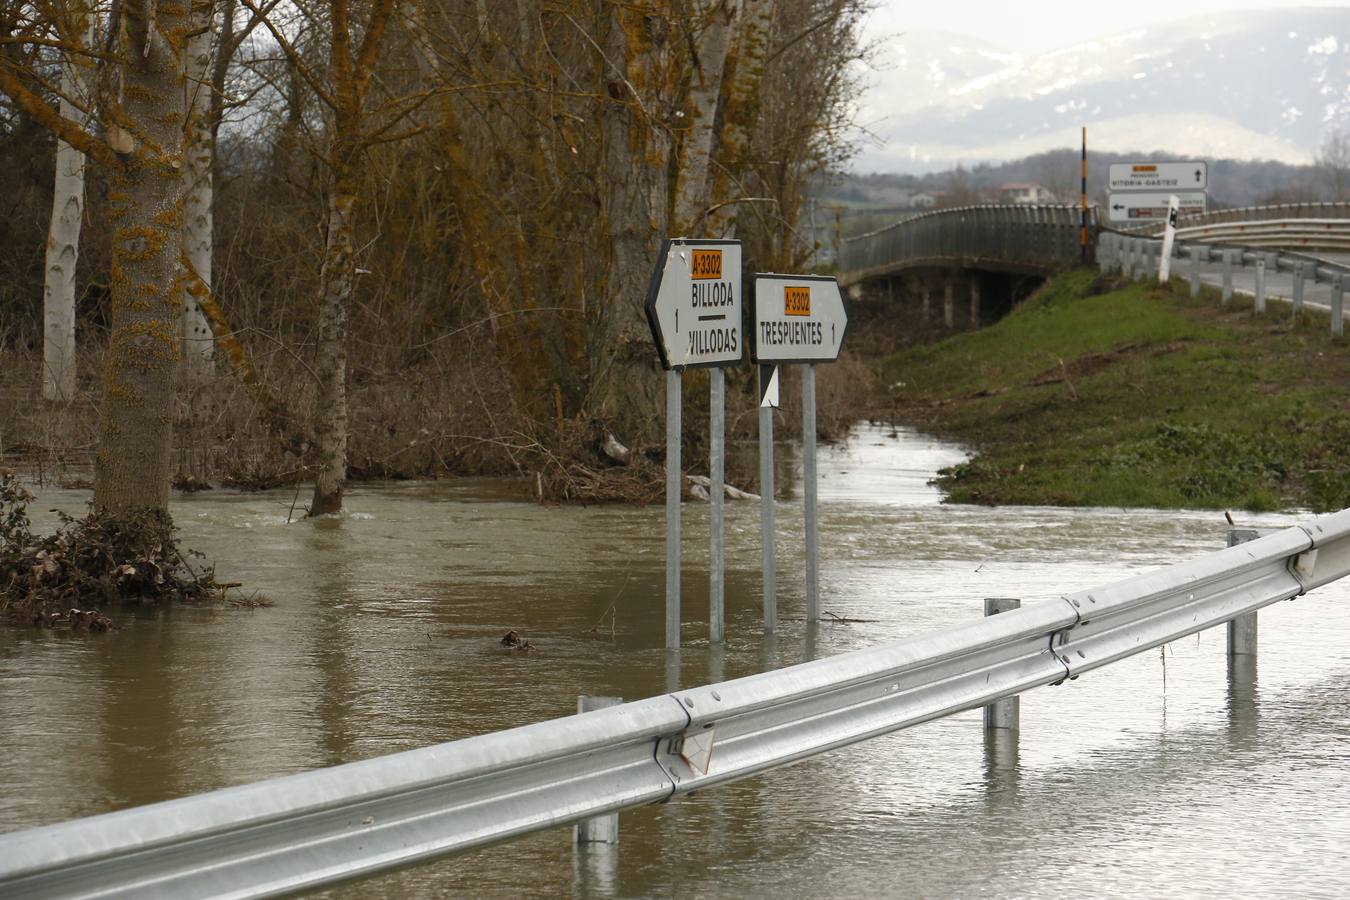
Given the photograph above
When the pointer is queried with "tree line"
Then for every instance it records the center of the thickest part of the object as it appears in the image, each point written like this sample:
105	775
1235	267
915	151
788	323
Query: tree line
234	182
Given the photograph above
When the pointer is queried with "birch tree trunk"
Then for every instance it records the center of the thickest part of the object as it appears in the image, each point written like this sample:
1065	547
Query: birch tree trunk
198	347
63	236
145	200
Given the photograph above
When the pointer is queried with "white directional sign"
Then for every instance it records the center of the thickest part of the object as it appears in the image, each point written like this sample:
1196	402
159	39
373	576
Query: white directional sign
1152	207
1169	177
797	319
694	303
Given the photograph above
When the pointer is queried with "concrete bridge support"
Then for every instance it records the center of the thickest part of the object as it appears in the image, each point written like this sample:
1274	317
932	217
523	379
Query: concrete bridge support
970	298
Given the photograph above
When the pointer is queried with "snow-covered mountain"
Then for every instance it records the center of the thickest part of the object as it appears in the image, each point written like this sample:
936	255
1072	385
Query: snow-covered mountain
1248	84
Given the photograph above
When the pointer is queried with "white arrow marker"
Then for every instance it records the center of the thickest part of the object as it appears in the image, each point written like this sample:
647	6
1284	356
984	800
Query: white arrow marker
768	382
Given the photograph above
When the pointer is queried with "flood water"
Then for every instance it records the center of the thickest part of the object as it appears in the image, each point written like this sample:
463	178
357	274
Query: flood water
1161	774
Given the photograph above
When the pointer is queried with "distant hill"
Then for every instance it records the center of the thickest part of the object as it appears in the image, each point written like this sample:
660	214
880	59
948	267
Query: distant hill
868	201
1247	84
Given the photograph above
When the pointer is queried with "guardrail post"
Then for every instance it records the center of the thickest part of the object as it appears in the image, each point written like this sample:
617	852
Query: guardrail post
1242	629
601	829
1003	714
948	313
974	300
1227	278
1298	288
1337	305
1198	255
1260	284
927	301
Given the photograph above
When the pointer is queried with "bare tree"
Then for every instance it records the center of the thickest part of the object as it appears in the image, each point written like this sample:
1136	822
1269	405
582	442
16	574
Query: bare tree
140	142
1333	164
342	85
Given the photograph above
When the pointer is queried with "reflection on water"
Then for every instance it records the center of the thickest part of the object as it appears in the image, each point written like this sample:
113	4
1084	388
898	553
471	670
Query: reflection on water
385	637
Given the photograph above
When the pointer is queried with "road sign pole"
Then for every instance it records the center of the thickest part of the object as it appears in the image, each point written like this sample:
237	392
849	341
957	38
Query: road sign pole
673	476
766	509
693	307
809	490
716	533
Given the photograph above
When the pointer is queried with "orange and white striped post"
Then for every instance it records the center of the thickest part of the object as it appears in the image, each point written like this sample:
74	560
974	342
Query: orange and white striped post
1082	212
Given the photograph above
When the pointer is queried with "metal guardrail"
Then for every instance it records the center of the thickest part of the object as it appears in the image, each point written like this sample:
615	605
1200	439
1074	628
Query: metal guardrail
1270	212
1329	234
1015	238
1136	256
319	827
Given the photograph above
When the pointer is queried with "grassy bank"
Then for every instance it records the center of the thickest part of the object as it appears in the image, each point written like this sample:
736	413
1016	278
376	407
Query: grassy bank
1113	394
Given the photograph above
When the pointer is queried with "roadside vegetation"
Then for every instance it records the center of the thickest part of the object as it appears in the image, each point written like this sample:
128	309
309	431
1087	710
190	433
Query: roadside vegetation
1105	393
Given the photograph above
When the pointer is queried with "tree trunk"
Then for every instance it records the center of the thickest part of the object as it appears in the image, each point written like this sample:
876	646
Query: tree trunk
330	408
198	347
63	236
634	205
693	178
145	201
740	107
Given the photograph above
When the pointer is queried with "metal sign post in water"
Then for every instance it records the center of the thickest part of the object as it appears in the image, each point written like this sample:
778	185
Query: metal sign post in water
694	310
797	319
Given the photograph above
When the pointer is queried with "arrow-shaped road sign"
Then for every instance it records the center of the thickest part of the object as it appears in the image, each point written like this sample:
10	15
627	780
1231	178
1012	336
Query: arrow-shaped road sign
797	319
694	303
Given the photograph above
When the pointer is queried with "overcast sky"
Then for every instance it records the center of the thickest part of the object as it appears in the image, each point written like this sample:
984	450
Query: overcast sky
1034	26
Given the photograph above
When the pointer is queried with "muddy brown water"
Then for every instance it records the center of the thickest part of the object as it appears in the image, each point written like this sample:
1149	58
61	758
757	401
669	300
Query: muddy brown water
1157	775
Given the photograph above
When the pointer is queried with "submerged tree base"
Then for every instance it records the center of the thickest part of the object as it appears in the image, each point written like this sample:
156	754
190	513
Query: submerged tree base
90	567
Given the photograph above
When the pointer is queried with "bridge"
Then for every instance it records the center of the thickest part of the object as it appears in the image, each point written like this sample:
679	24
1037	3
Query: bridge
981	258
996	255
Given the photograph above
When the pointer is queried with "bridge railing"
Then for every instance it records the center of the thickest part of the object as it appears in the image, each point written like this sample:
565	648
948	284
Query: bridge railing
328	825
1016	237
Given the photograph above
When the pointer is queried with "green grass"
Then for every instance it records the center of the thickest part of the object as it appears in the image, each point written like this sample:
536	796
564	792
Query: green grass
1129	395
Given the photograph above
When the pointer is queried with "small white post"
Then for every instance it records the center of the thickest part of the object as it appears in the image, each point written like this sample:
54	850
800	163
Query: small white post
1260	285
1337	305
1298	288
1227	277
